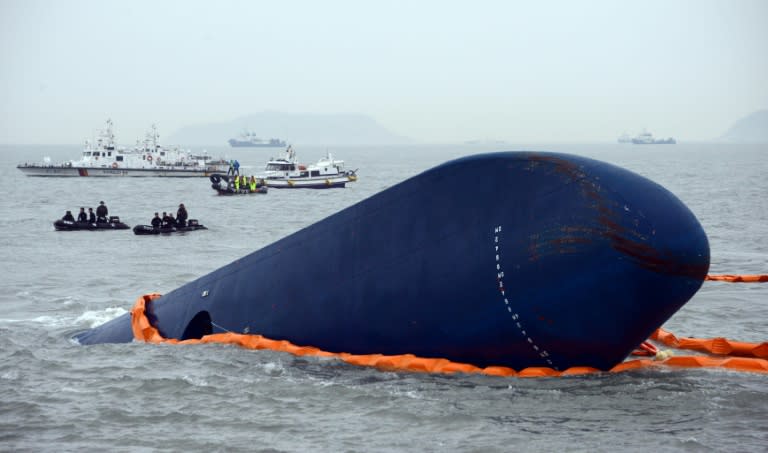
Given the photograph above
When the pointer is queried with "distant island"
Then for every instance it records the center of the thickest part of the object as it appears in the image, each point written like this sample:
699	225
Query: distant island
752	128
294	128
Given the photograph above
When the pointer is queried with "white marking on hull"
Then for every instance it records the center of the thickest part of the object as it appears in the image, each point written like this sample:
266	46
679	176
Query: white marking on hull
515	316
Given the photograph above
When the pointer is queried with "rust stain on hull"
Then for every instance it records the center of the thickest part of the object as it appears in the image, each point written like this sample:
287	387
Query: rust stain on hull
611	220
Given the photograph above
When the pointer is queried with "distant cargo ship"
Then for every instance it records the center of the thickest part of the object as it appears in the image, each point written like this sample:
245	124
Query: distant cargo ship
250	140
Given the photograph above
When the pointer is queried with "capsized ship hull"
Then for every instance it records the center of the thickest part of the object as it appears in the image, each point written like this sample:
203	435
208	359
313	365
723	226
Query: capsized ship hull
515	259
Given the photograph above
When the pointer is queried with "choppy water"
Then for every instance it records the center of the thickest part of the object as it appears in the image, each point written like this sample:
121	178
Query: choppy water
57	395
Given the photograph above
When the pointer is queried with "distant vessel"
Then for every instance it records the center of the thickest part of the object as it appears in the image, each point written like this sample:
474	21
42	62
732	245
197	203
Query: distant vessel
625	138
250	140
287	173
148	158
646	138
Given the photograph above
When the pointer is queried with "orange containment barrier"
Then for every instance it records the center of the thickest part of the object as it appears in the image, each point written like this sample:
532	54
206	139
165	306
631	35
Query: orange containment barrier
749	278
719	345
144	331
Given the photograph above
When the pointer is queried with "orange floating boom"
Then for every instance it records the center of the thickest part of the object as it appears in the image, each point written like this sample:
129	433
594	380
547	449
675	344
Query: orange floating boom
144	331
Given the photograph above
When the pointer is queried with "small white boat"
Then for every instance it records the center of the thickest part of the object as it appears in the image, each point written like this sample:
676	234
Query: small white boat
103	157
287	173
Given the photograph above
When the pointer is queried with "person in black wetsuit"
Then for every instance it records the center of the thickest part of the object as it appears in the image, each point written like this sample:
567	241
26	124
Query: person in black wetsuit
91	216
157	221
167	220
81	217
102	212
181	215
68	216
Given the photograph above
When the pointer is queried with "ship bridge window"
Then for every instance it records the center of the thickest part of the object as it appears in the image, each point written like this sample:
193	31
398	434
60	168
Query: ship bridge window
109	153
87	153
315	173
162	153
119	158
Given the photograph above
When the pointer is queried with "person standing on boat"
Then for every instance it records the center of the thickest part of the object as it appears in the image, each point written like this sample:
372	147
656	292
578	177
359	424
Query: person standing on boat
237	184
157	221
231	170
81	217
181	215
101	213
237	168
68	217
252	184
91	216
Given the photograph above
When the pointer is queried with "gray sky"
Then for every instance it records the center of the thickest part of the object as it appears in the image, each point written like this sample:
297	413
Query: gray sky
435	71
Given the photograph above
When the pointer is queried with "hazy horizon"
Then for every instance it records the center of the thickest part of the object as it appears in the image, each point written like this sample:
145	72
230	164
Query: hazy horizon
435	72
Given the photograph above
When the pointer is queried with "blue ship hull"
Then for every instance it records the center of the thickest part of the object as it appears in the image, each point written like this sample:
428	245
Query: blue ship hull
513	259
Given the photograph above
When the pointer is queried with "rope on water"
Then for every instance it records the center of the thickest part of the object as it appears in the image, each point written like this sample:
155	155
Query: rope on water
220	327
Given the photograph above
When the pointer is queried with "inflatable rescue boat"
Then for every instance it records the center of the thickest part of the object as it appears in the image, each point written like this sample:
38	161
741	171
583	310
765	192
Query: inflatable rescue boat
113	223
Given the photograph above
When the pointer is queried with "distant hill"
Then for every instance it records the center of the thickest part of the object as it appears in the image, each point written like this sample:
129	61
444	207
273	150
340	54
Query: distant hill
752	128
294	128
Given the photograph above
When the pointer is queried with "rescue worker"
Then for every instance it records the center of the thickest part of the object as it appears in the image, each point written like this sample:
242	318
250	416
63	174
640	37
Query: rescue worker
252	184
101	213
68	217
91	216
156	221
81	217
181	215
237	184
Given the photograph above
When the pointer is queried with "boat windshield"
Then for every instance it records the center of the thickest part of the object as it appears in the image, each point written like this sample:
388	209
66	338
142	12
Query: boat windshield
280	167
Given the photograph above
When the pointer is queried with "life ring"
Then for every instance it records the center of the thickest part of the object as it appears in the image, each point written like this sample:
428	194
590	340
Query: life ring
149	158
114	164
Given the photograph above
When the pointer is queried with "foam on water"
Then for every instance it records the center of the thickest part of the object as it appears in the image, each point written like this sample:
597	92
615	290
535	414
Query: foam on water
97	318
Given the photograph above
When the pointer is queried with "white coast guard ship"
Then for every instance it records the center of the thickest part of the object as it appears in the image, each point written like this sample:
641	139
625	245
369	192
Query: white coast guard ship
103	158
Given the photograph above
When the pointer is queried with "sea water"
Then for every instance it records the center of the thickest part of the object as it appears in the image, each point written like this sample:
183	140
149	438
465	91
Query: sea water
56	395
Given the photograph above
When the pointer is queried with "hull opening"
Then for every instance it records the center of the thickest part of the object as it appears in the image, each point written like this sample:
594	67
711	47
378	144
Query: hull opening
199	326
